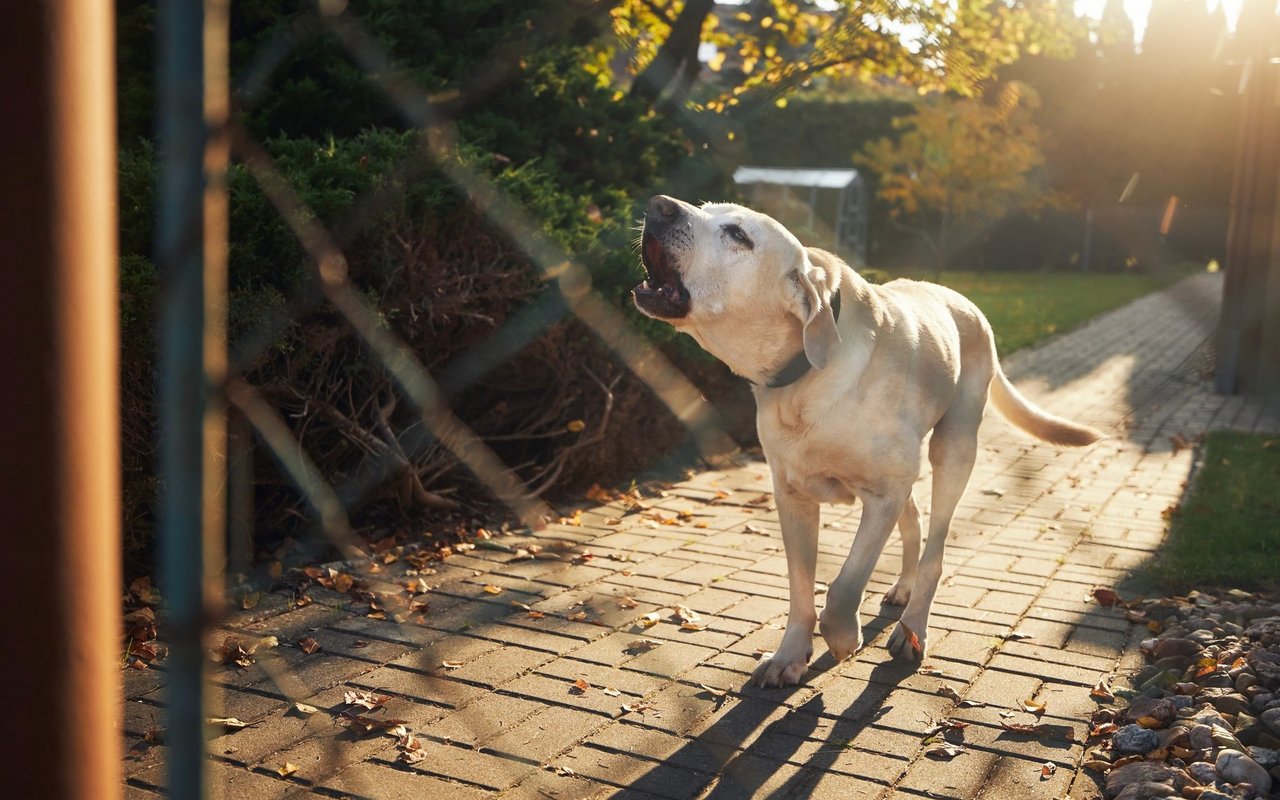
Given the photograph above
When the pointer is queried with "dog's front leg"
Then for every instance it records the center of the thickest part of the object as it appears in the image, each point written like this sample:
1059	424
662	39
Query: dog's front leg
799	518
840	626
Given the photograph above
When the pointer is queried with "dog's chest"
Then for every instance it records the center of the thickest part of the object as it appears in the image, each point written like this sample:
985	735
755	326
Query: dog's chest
833	455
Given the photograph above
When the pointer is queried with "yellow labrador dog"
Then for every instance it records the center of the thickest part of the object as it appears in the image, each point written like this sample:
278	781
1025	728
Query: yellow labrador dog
849	379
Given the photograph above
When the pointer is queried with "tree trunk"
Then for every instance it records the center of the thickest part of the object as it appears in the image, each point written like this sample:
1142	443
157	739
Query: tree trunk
680	48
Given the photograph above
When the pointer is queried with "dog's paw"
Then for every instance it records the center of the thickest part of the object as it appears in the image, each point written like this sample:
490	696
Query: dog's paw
843	637
899	594
906	645
777	671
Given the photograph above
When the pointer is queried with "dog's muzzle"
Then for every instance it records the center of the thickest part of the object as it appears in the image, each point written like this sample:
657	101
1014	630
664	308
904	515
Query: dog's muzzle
663	295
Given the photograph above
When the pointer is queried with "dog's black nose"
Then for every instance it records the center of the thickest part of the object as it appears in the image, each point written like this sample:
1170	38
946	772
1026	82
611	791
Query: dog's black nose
662	208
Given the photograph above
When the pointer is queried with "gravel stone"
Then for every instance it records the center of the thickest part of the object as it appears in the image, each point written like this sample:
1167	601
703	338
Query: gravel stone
1135	739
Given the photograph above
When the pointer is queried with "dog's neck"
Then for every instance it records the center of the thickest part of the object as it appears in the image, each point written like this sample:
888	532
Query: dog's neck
799	365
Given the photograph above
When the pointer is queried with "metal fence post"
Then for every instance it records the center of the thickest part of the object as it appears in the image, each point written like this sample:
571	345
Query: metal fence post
191	255
59	443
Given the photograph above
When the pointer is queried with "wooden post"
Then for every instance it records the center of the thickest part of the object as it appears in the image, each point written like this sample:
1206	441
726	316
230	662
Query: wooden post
59	450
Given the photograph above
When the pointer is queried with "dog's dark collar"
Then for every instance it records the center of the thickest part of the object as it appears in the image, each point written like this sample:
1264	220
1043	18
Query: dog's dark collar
796	368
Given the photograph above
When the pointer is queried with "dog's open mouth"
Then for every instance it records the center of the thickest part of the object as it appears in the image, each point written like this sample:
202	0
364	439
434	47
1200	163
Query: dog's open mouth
662	295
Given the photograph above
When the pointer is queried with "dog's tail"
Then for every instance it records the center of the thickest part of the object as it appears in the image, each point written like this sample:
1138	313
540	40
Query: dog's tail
1035	420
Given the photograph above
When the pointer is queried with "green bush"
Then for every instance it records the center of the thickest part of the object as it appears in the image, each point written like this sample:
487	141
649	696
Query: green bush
575	158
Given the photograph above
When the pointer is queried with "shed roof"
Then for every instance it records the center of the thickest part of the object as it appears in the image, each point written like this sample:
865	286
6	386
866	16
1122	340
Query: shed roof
785	176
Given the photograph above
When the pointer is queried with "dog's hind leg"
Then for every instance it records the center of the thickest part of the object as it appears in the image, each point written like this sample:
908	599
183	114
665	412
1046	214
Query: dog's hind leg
909	529
952	451
839	622
799	519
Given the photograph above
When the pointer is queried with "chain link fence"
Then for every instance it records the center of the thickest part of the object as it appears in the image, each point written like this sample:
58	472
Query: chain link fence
201	133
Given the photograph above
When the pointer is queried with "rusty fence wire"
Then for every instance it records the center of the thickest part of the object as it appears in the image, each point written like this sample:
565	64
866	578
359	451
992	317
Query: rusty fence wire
201	134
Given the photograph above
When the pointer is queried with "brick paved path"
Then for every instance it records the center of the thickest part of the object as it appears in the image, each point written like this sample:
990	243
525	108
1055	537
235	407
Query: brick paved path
1037	530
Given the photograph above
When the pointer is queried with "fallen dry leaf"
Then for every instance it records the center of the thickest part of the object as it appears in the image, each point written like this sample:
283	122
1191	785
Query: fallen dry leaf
363	699
642	645
611	692
536	614
308	645
686	614
949	693
1047	770
365	725
342	582
230	723
1102	690
638	707
1032	706
946	751
1024	729
1106	597
649	620
580	686
693	626
714	692
627	602
489	588
412	756
450	664
304	709
286	769
1016	636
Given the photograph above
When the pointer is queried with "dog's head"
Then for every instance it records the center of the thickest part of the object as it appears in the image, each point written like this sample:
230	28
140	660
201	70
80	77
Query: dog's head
724	273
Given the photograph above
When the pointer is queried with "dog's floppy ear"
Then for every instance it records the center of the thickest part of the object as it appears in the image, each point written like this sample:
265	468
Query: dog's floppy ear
818	283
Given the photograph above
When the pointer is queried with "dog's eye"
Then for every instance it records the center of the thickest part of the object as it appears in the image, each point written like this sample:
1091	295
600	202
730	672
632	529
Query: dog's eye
738	235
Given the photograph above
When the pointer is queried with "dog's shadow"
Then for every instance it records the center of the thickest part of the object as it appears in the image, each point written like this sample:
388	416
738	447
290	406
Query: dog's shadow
744	771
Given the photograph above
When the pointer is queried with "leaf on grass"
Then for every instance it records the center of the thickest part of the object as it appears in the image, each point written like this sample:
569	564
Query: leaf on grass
308	645
946	752
1047	770
1033	707
1106	597
580	686
286	769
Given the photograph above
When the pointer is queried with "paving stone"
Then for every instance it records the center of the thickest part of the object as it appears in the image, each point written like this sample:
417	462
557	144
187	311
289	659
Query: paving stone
469	766
391	782
546	734
487	717
634	773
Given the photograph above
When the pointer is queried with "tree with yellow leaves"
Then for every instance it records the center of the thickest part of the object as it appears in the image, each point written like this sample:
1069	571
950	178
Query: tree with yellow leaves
765	48
960	165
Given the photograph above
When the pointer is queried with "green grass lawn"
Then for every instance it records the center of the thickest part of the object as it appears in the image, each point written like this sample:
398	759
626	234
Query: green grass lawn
1227	533
1025	307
